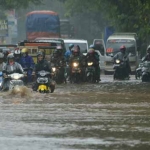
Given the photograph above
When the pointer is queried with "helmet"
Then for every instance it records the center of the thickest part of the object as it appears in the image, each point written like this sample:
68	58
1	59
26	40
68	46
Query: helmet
71	46
92	46
10	56
24	50
148	49
17	52
76	50
91	51
122	48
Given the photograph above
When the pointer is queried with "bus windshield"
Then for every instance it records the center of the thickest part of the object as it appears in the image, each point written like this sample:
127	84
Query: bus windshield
113	46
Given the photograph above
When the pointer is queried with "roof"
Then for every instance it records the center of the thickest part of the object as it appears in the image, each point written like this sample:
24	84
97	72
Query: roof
42	12
74	41
121	37
43	39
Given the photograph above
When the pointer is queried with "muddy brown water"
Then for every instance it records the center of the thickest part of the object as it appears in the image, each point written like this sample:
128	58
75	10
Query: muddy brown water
105	116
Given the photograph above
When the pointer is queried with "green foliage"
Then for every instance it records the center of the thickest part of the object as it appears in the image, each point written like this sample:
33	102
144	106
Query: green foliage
126	16
11	4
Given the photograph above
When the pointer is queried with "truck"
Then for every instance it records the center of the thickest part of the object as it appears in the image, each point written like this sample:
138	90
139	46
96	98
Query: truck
66	29
43	23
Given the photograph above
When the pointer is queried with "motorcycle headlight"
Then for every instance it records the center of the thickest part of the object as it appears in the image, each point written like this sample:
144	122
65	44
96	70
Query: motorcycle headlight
53	69
75	64
117	61
90	63
16	76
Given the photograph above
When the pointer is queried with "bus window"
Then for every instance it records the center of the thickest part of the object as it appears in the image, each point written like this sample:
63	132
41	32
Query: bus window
34	51
29	51
47	51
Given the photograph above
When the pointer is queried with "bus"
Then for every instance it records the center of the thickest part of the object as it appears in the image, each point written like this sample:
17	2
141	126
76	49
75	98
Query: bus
113	46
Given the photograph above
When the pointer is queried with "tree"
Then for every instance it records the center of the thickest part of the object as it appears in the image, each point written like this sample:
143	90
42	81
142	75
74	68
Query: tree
11	4
124	16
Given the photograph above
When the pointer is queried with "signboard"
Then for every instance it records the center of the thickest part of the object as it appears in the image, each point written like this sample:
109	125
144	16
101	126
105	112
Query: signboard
3	28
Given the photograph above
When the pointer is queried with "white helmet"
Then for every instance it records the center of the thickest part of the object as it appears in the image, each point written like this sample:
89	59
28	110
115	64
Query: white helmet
17	51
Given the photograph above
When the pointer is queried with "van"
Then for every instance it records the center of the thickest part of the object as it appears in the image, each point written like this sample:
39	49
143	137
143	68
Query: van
113	46
83	44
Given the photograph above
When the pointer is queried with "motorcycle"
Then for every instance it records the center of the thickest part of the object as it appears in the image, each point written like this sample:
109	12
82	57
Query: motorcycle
146	71
14	79
90	72
120	69
138	73
58	73
75	72
43	82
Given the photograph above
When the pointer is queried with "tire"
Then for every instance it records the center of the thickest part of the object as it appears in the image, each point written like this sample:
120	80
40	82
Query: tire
52	88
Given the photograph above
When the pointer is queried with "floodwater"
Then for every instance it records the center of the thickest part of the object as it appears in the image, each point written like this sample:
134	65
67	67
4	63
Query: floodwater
110	115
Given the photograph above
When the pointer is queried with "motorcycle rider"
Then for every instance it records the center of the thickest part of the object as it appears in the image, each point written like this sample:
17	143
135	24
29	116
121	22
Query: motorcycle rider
94	57
68	52
123	56
58	59
42	64
57	55
27	63
10	67
147	57
77	55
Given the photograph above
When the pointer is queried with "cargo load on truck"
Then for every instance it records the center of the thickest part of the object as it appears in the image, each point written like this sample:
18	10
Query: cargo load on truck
42	24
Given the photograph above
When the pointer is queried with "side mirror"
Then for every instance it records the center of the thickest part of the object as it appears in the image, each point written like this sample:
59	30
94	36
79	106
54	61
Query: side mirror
130	54
111	55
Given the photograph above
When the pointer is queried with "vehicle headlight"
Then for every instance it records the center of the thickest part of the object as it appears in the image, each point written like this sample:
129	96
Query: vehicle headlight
75	64
53	69
16	76
117	61
90	63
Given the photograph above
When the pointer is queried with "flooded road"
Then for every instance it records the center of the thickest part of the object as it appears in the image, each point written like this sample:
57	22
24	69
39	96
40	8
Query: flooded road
110	115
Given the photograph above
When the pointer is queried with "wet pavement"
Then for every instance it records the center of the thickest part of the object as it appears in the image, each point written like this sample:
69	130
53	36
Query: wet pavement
110	115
